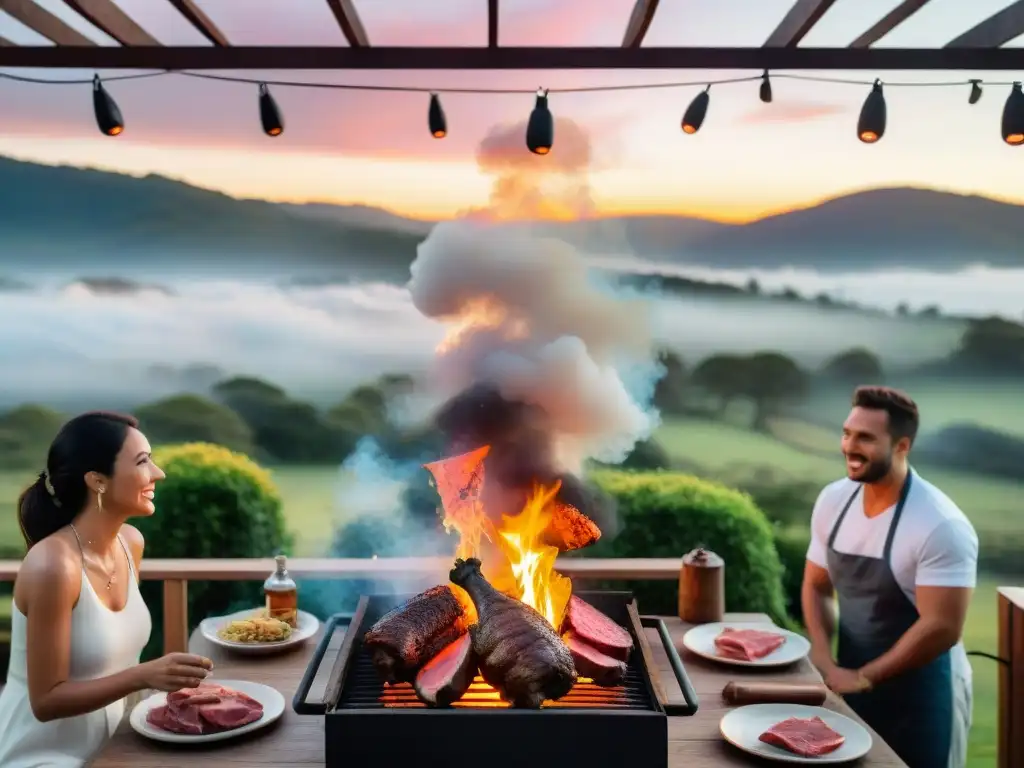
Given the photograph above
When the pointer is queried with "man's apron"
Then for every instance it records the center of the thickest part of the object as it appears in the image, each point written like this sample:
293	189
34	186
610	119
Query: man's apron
912	712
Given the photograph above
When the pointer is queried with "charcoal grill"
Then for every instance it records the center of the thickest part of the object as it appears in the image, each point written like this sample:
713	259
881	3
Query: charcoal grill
369	723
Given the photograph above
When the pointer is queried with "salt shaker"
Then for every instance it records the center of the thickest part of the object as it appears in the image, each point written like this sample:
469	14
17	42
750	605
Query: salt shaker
702	587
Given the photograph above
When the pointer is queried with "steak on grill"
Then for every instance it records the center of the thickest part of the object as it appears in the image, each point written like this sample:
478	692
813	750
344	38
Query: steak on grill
521	656
206	709
747	644
597	630
590	662
407	637
810	737
447	676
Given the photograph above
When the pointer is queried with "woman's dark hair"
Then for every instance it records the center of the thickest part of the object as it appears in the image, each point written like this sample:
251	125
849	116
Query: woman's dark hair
87	443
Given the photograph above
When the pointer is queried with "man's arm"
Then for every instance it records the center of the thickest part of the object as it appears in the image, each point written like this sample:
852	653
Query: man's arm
817	599
946	576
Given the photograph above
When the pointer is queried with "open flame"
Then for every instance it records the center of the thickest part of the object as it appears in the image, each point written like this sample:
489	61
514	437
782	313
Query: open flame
514	557
480	314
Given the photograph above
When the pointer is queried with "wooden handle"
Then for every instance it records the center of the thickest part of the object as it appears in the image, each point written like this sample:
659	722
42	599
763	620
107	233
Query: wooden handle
774	693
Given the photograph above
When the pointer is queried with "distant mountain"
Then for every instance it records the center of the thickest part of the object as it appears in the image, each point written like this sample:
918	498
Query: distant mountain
360	216
898	227
72	217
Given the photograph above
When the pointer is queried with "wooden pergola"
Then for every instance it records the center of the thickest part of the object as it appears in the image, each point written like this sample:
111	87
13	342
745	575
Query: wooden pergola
979	48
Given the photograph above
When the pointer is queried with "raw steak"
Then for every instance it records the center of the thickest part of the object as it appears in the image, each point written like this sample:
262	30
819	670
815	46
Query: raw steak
590	662
447	676
407	637
747	644
521	655
206	709
597	630
809	737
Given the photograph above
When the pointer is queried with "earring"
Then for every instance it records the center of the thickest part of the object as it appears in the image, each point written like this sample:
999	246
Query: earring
99	499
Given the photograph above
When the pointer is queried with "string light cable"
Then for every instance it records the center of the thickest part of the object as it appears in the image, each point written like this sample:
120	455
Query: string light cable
539	138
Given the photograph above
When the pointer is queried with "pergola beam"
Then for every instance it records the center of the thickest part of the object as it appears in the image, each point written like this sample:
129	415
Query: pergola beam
800	19
639	21
889	22
265	58
105	15
44	23
996	30
351	26
203	24
492	23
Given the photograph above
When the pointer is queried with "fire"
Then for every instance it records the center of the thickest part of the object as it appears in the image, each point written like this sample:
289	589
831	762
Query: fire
514	557
481	314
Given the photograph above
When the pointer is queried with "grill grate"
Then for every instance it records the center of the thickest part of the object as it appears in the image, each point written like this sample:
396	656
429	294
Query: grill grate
364	690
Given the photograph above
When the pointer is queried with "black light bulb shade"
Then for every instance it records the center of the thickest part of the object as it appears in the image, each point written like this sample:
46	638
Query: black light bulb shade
1013	117
871	123
108	116
270	115
540	129
694	116
976	92
436	120
766	89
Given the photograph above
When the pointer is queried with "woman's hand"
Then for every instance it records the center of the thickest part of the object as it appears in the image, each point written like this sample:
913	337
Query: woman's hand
175	671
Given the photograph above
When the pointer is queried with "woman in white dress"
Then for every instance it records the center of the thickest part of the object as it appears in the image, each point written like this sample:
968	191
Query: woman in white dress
78	623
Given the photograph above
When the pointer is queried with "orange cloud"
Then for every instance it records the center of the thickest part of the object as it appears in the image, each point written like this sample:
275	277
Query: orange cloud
791	112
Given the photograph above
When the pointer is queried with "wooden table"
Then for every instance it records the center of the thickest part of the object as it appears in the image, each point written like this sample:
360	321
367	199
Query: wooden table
298	740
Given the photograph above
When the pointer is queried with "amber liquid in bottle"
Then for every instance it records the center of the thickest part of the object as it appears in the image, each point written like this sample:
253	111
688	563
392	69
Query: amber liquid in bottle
282	594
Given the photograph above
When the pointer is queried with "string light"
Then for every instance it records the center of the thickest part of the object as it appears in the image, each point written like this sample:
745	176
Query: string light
540	130
108	116
540	127
436	120
871	123
270	115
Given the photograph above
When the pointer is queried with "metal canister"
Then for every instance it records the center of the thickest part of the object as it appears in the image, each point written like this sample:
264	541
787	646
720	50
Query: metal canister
702	587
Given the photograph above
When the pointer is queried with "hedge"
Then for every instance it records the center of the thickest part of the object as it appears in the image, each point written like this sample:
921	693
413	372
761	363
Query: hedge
213	503
667	514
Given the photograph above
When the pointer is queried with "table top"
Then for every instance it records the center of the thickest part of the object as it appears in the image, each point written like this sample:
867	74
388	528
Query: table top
298	740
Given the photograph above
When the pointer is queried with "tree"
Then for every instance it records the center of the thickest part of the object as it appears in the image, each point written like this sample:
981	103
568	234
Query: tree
854	367
191	418
723	376
991	345
771	380
670	391
25	436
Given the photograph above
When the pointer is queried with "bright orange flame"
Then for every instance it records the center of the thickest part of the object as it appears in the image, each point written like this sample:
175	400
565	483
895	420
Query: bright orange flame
514	558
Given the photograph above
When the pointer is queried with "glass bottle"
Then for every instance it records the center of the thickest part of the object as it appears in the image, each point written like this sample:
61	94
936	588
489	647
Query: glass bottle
282	594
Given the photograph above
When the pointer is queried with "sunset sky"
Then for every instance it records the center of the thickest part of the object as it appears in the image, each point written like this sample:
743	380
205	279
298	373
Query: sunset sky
374	148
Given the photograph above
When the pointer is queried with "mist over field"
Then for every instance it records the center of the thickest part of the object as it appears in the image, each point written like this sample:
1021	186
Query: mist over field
93	343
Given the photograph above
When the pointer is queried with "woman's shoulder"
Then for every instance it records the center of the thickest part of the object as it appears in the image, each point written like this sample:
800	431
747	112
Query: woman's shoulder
49	564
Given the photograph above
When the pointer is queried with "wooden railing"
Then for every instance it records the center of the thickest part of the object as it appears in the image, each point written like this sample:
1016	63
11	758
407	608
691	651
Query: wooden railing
175	575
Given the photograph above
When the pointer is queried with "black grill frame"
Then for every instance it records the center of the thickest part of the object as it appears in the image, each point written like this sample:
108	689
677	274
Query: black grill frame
625	726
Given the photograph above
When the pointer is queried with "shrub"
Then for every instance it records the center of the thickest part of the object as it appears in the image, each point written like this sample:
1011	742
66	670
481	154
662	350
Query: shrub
667	514
213	503
191	418
791	543
25	435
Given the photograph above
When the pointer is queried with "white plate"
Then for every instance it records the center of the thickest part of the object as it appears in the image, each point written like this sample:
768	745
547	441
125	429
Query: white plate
308	624
273	708
701	640
743	727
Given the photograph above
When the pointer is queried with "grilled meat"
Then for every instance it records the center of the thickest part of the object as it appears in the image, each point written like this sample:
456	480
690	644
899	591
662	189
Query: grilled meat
407	637
520	654
447	676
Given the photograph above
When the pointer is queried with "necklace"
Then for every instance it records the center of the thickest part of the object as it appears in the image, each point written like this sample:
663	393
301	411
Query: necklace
110	573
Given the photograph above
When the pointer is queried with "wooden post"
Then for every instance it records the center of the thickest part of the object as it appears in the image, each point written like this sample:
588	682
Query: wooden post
175	616
1011	677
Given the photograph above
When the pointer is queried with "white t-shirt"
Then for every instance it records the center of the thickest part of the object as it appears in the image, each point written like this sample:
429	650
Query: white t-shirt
935	544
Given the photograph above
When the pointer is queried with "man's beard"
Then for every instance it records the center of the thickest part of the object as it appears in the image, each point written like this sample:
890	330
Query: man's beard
873	471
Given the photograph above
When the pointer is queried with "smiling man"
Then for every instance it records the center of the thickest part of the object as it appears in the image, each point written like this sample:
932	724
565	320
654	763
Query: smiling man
902	559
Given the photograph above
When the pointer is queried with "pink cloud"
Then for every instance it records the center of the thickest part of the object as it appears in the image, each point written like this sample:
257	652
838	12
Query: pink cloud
791	112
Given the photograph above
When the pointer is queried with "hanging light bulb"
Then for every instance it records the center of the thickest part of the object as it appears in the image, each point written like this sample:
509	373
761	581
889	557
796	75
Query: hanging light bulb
975	92
540	130
693	118
766	88
108	116
871	124
436	119
1013	117
270	115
